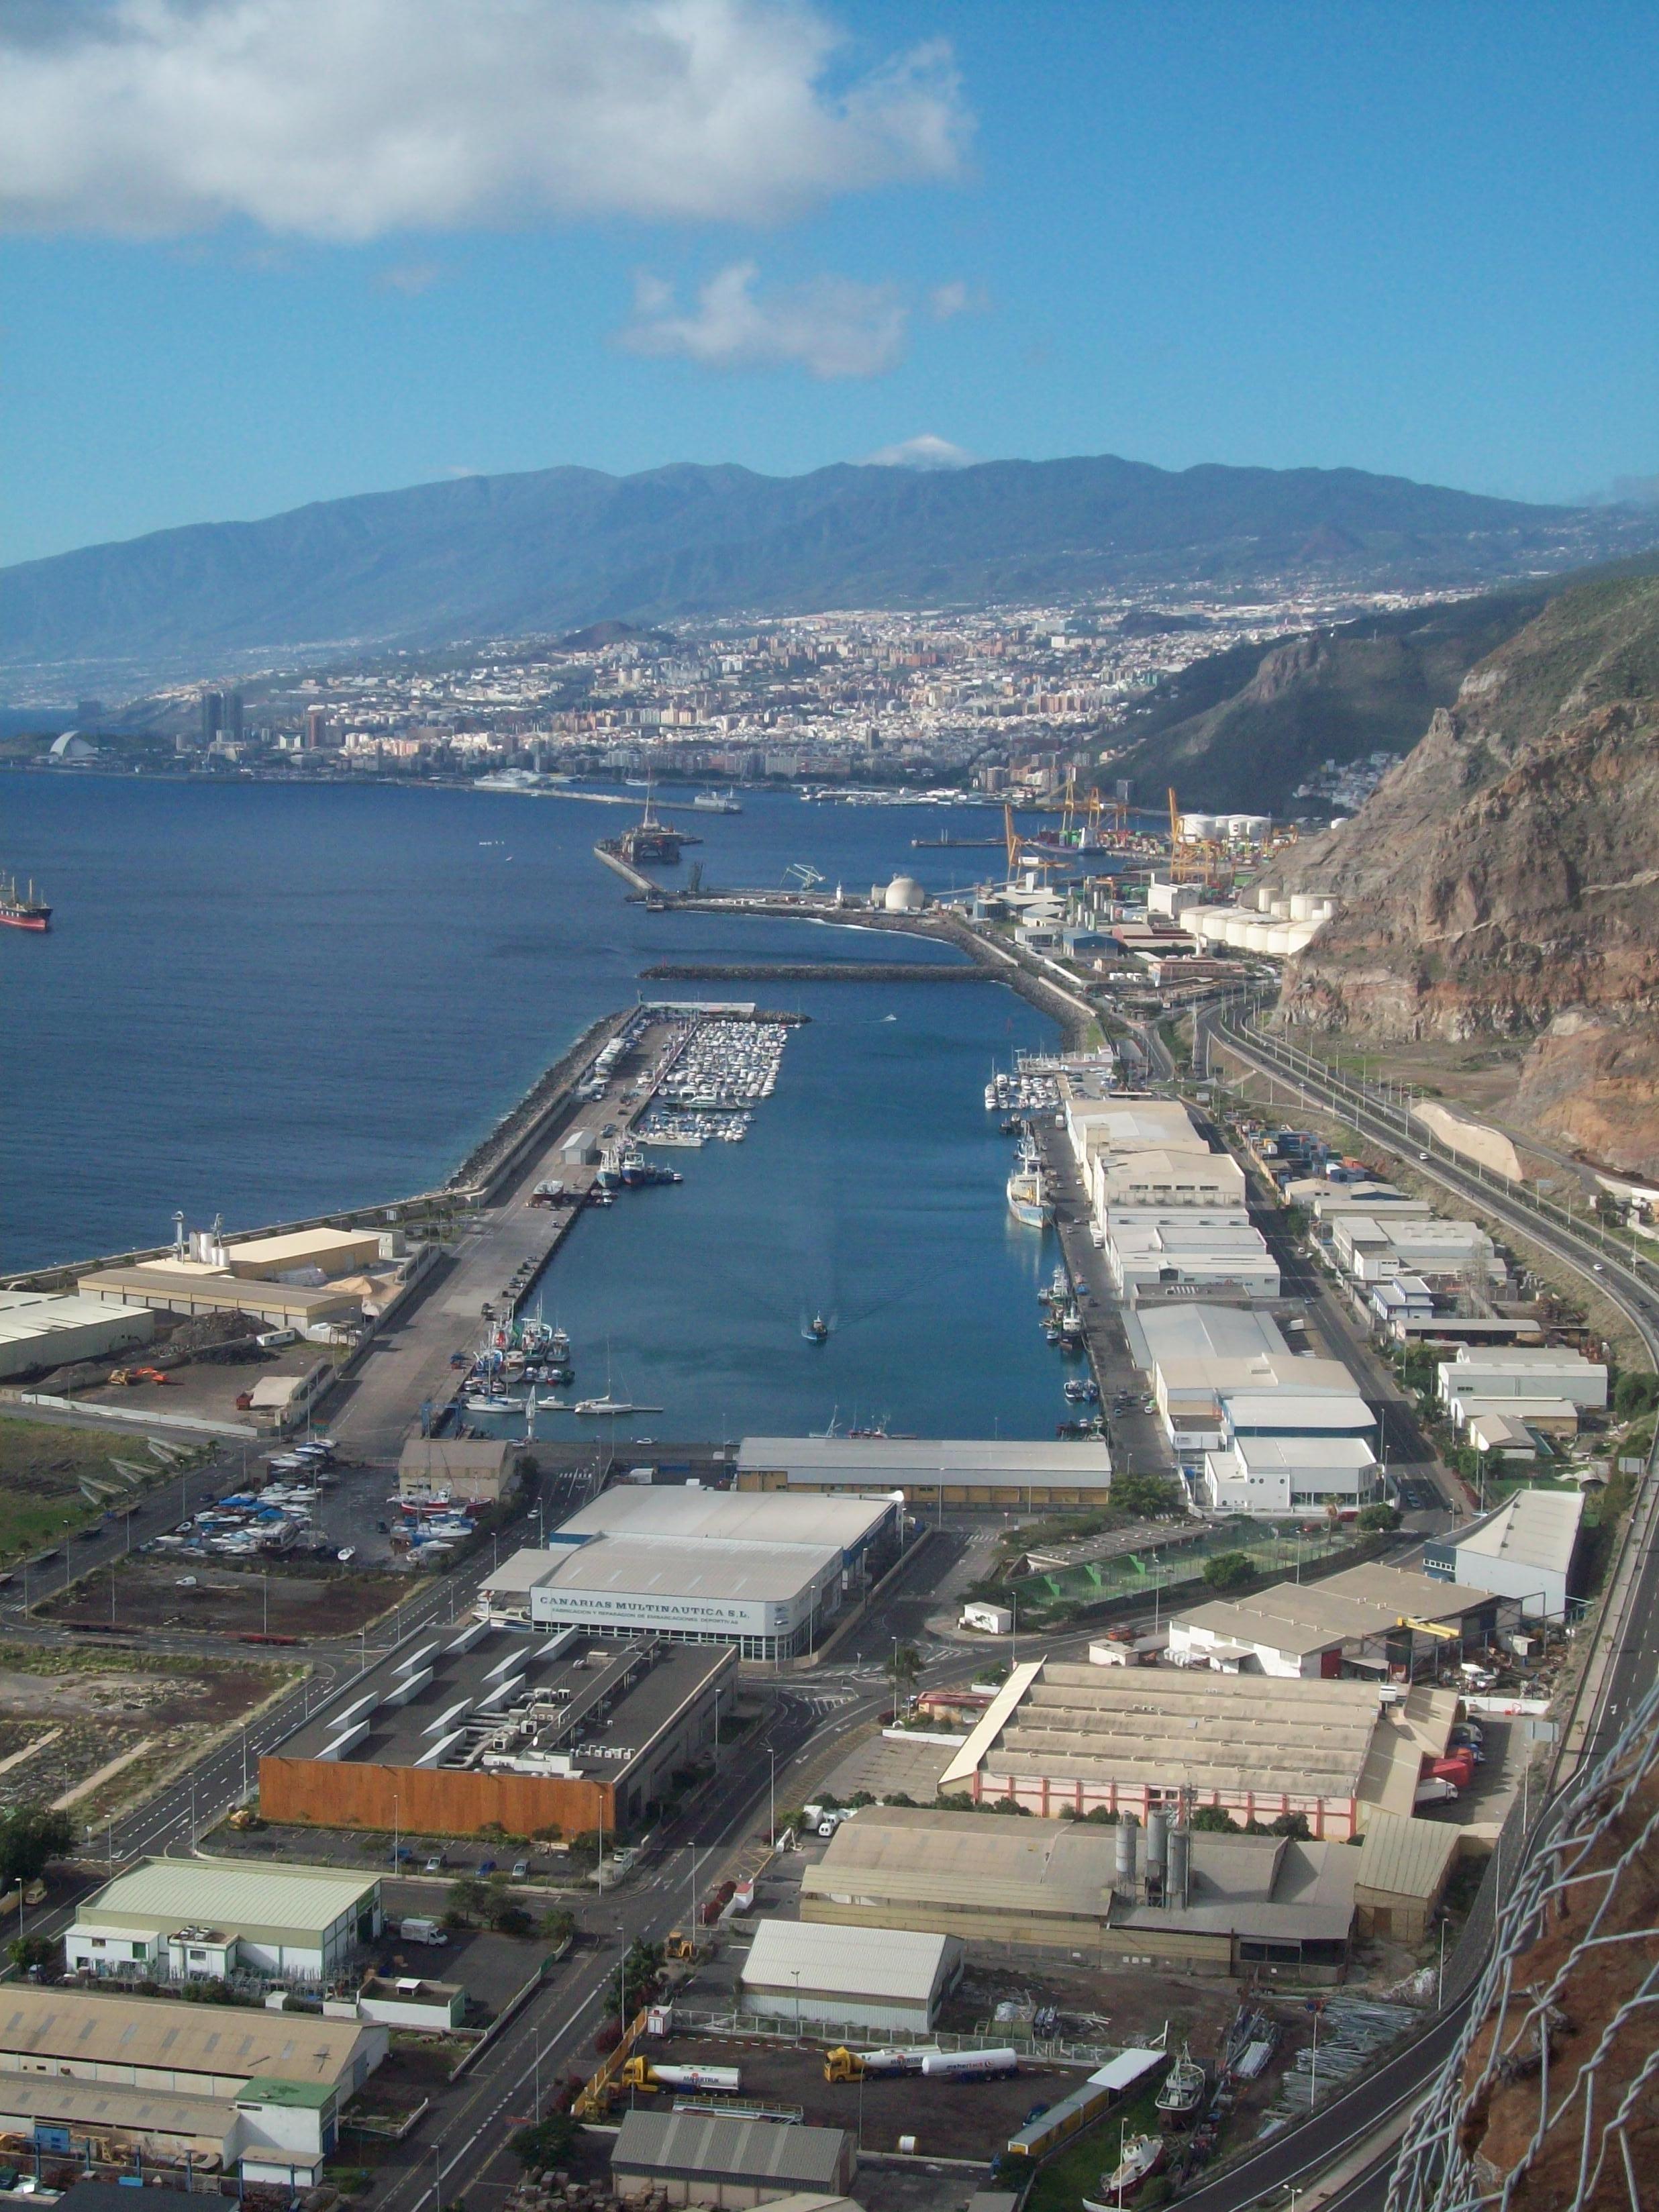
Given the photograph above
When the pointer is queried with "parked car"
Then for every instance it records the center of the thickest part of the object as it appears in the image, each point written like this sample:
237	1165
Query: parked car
521	1870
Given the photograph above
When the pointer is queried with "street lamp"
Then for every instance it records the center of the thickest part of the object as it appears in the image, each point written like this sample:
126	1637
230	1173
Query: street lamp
796	1972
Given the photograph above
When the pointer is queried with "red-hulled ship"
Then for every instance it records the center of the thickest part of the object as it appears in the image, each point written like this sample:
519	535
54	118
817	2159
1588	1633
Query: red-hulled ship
18	911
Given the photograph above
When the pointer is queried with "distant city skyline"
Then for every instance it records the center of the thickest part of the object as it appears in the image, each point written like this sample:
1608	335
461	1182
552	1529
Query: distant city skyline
262	256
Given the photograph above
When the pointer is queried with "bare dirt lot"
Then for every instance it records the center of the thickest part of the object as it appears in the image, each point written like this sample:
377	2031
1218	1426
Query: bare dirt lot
43	1465
949	2119
94	1729
301	1602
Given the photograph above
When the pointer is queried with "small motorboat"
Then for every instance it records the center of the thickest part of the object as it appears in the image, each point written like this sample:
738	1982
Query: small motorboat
817	1330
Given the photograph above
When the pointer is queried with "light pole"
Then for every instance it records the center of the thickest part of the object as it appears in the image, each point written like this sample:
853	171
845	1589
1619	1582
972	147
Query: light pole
796	1972
772	1795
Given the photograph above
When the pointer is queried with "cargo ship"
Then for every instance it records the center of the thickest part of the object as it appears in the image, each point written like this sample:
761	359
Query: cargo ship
1028	1189
19	910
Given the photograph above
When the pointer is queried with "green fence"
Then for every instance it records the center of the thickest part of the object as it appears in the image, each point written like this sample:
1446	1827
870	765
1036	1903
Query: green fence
1134	1575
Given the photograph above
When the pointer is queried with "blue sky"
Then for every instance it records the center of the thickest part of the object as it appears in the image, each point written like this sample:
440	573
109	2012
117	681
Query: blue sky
262	252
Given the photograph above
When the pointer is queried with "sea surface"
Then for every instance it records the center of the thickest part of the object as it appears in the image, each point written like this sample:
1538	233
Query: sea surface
265	1002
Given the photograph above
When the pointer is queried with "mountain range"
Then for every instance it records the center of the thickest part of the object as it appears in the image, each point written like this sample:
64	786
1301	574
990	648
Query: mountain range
487	556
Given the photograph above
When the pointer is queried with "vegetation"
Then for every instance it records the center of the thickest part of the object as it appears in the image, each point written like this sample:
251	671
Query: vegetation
1634	1394
1377	1520
1229	1570
1147	1497
30	1835
546	2145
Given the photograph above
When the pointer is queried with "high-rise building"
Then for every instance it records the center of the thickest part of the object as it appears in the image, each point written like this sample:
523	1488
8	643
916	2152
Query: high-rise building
233	716
317	728
213	715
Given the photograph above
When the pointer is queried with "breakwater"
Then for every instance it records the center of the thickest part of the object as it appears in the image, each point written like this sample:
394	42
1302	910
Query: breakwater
813	971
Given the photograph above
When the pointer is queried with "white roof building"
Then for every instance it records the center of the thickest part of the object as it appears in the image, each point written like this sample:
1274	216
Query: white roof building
1373	1248
1516	1371
1154	1176
878	1980
181	1920
47	1329
1146	1246
934	1470
1525	1551
1272	1475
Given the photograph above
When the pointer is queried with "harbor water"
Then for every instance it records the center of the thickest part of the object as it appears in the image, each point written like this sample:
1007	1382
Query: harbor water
268	1002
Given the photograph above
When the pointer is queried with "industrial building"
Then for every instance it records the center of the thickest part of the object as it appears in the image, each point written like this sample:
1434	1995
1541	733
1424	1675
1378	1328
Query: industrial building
48	1328
707	2158
552	1735
1526	1550
1202	1242
465	1470
1177	1900
1062	1739
931	1471
257	2094
875	1981
1382	1622
1374	1247
178	1920
1223	1374
700	1566
1404	1867
186	1288
1312	1472
1493	1373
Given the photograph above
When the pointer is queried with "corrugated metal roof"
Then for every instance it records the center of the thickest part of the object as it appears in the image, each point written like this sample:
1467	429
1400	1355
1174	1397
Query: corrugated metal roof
72	2099
672	1567
44	2023
895	1461
664	1509
174	1892
1533	1528
853	1962
1404	1858
698	2143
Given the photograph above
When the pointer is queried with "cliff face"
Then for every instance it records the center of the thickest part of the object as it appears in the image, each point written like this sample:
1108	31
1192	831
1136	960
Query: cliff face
1505	878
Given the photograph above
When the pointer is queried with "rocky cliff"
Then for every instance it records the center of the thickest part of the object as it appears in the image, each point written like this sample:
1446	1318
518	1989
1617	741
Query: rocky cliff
1505	878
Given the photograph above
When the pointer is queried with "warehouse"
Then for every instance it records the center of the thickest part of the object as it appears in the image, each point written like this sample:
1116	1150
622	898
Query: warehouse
40	1329
1525	1551
178	1920
703	2158
931	1471
767	1574
463	1470
1403	1869
1373	1249
149	2043
1148	1248
183	1286
1063	1738
869	1981
1495	1372
1382	1622
1291	1473
1189	1903
304	1254
553	1735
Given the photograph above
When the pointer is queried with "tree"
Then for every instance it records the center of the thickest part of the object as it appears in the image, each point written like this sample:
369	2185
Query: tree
468	1900
546	2145
30	1835
28	1951
1634	1394
1294	1825
904	1667
558	1925
1214	1821
1229	1570
1377	1520
1148	1497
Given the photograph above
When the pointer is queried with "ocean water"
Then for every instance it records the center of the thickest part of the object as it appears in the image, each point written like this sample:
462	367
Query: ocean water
266	1002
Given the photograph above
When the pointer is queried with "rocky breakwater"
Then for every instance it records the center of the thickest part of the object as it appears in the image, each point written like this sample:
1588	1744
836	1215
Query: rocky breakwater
1504	880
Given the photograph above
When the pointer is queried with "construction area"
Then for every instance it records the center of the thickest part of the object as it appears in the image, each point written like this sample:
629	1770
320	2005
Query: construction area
289	1604
93	1731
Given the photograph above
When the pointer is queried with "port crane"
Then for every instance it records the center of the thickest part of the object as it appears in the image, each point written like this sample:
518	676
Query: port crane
804	874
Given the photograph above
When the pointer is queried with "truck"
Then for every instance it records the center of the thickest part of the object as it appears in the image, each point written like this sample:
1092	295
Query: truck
645	2073
421	1928
995	2065
841	2064
1434	1789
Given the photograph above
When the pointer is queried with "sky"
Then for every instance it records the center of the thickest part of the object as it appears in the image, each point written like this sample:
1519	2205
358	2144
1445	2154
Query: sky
257	252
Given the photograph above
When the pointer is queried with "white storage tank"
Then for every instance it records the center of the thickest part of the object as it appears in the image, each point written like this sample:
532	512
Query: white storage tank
1302	906
1302	933
1195	827
1238	929
1261	939
1278	940
1212	921
904	894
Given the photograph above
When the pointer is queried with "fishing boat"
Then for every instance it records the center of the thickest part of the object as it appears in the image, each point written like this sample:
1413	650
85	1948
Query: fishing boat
489	1403
817	1330
1183	2094
1028	1191
1142	2157
594	1408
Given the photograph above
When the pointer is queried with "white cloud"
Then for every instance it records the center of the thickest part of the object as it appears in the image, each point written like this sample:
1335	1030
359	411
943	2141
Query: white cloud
344	119
925	452
830	326
412	278
955	298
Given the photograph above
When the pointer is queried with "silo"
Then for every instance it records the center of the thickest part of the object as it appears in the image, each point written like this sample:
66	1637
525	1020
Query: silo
1128	1831
1181	1865
1158	1852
